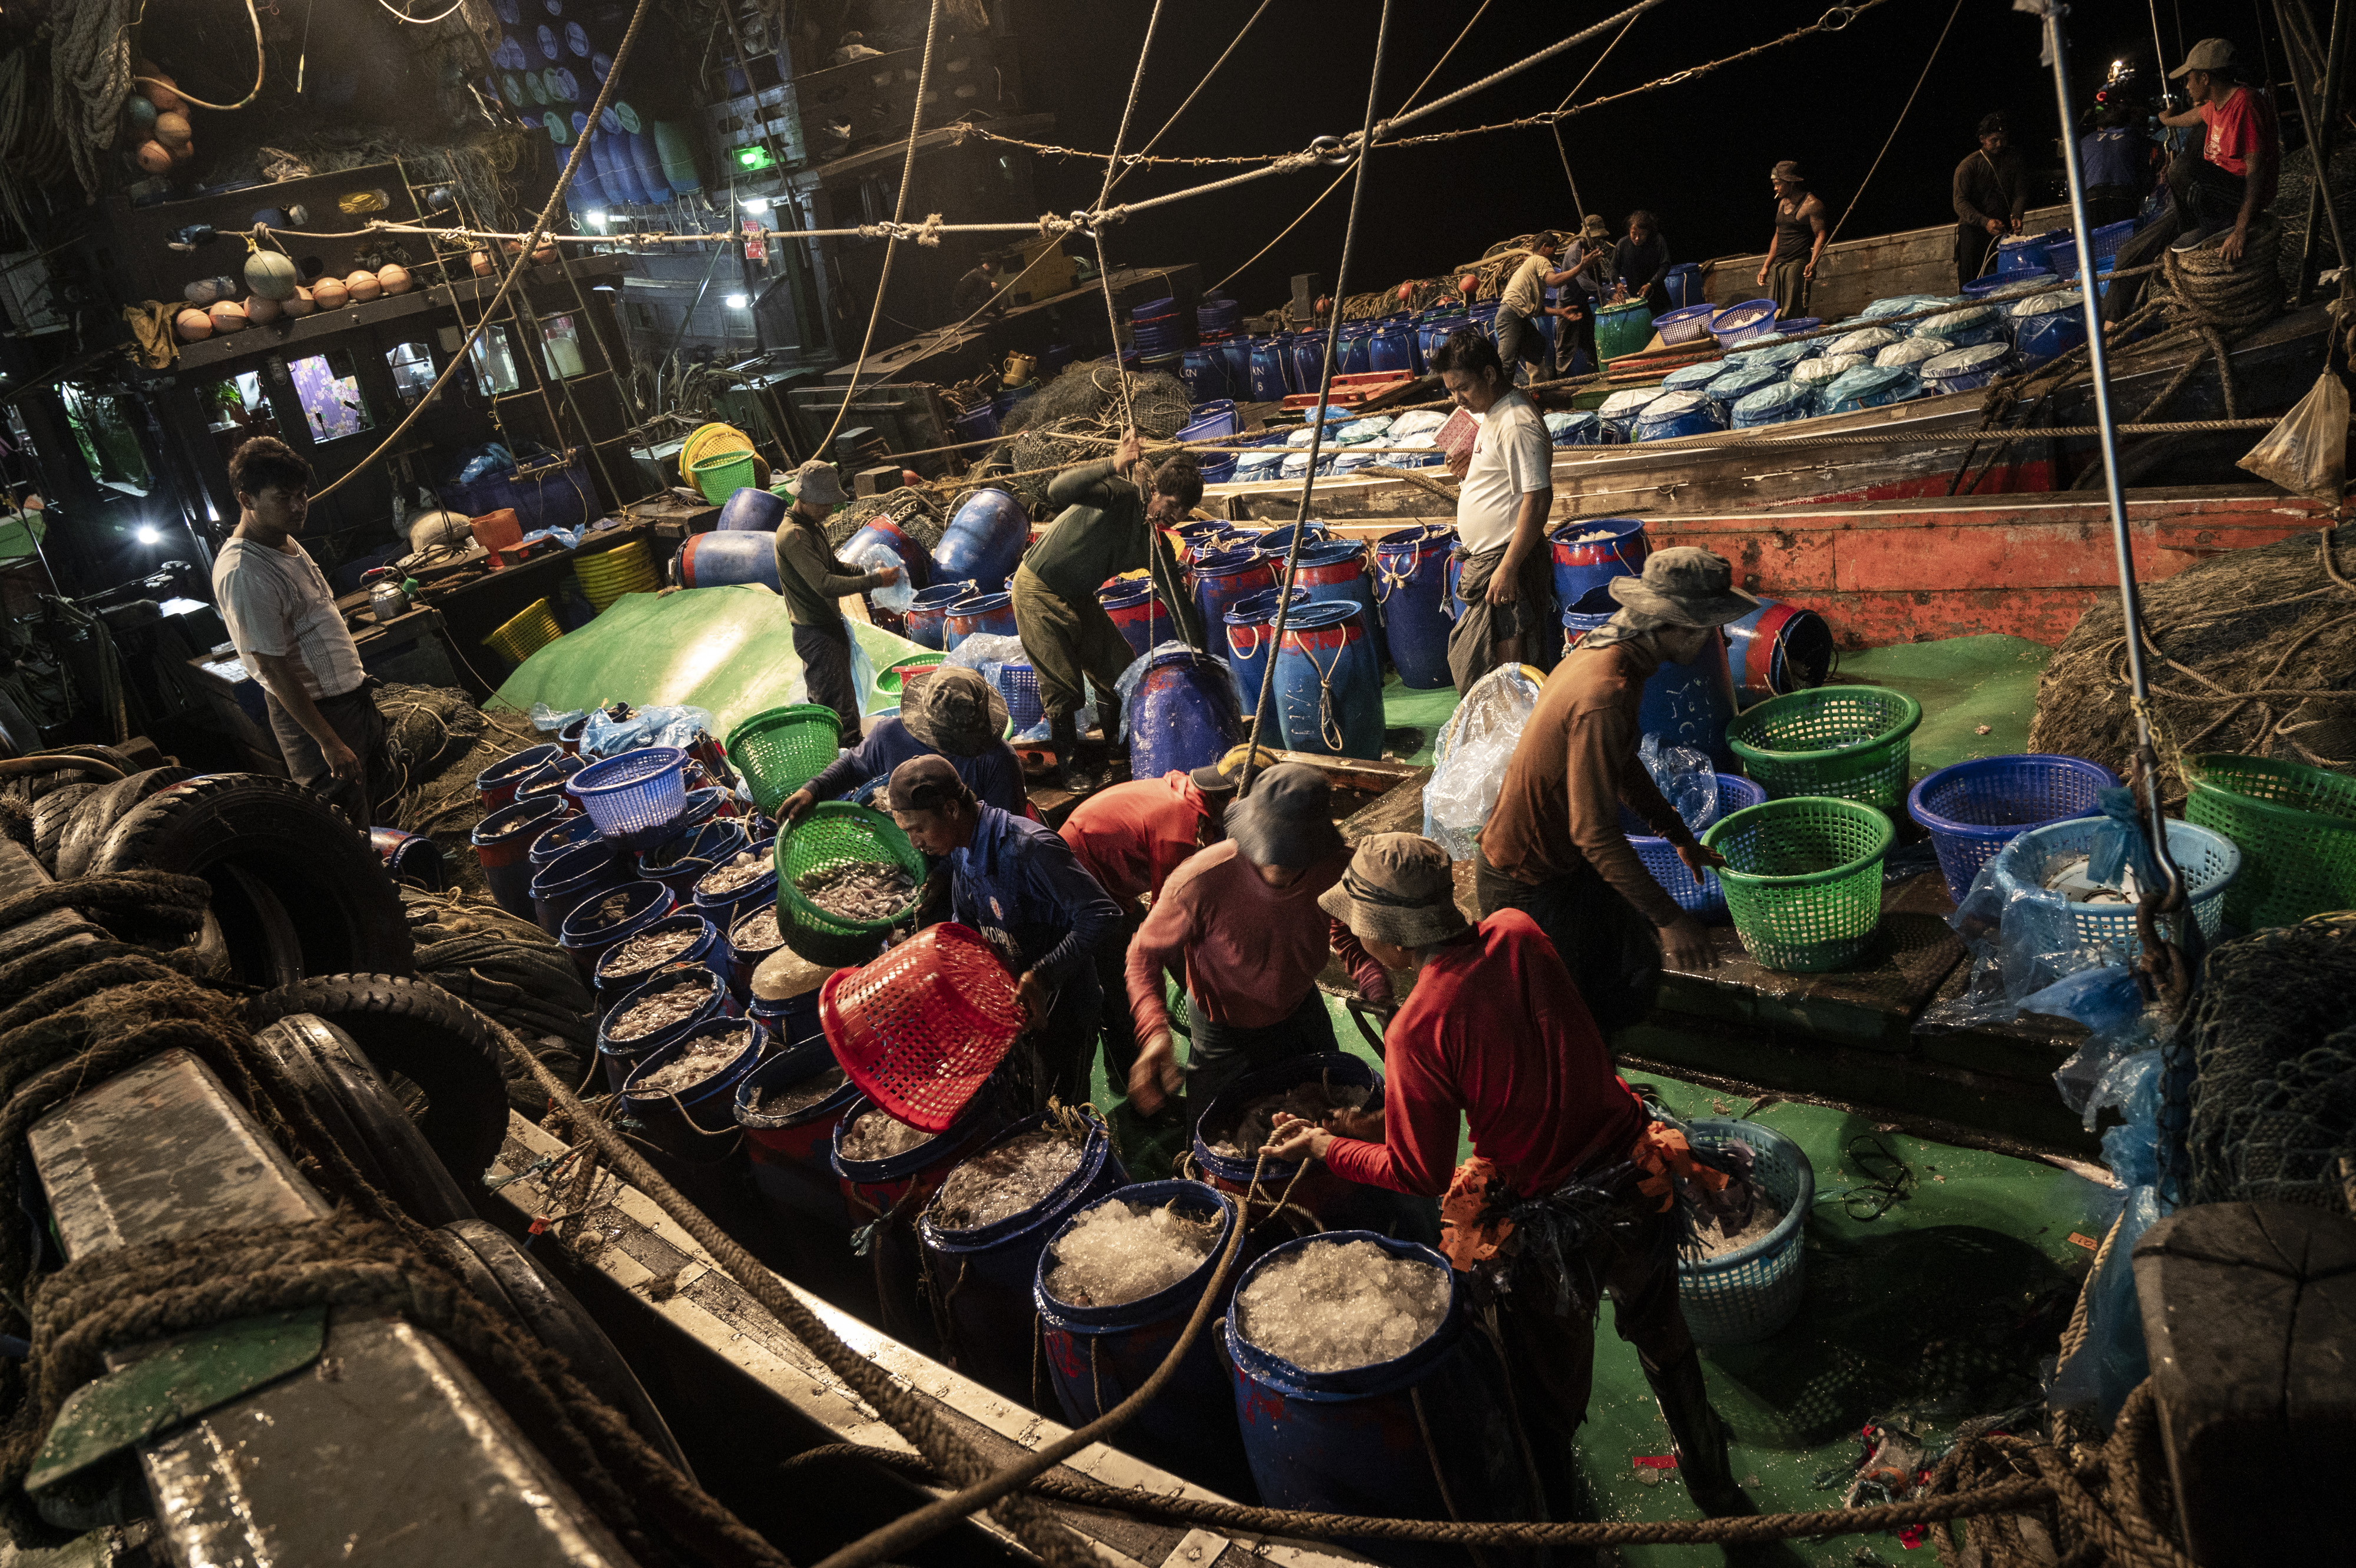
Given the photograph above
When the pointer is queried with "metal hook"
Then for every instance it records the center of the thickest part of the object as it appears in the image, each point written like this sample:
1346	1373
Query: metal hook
1328	150
1847	14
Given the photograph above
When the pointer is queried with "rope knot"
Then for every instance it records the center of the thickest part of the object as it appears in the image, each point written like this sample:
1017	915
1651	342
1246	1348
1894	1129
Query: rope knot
928	234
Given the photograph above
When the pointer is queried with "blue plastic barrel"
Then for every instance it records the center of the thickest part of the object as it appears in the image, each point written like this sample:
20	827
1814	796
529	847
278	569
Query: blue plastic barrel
1333	1202
752	511
1098	1356
708	949
746	951
1251	641
1685	704
719	560
495	785
724	909
790	1152
1394	348
1144	620
1966	370
570	834
502	843
1618	412
1305	362
1278	541
1774	405
2047	324
1268	383
982	1278
1777	648
984	541
1412	584
1737	381
1234	354
979	614
1329	683
1204	371
894	1191
1425	1435
1183	715
2026	252
1870	386
698	1122
1335	570
1683	284
1579	427
1353	356
916	560
1965	327
1673	414
620	1058
613	916
680	862
976	425
1222	577
1583	564
789	1007
572	877
928	613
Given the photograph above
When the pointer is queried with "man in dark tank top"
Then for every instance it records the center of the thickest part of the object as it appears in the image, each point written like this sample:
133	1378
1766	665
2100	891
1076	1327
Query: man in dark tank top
1800	235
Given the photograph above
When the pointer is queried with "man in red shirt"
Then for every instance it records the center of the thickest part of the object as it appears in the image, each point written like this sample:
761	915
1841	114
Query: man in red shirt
1131	837
1568	1196
2232	178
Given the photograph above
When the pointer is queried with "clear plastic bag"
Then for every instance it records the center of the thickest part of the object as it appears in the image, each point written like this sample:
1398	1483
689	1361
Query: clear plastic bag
2307	451
1686	780
873	556
548	720
2112	1357
1469	758
1132	677
605	736
984	649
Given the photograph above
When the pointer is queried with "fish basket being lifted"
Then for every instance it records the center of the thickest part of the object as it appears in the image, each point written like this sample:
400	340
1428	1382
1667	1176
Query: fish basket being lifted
833	834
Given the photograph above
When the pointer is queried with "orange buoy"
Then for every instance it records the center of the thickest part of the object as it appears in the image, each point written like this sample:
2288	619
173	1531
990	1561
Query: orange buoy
481	261
193	325
228	316
393	279
261	308
299	302
166	100
329	294
363	286
152	157
182	152
171	130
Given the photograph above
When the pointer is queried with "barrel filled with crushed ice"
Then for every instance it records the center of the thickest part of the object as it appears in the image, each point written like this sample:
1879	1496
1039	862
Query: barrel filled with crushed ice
790	1107
683	1093
1115	1287
1361	1387
1233	1126
984	1229
889	1172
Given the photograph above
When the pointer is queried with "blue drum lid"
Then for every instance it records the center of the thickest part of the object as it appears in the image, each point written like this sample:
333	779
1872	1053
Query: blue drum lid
1685	378
1969	361
1782	356
1318	613
1742	379
1912	351
1785	399
1866	380
1571	424
1956	322
1672	405
1864	340
2053	303
1826	368
1627	405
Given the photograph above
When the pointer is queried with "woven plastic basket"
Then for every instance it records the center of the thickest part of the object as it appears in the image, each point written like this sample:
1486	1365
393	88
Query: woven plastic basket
1751	1291
722	473
833	833
2208	859
1803	880
921	1028
530	629
636	798
1973	809
1850	742
892	681
1018	683
1704	899
780	750
2296	827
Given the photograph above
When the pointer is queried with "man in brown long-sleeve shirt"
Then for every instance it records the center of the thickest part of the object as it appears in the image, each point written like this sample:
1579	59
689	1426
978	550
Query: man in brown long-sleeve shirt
1553	847
1991	192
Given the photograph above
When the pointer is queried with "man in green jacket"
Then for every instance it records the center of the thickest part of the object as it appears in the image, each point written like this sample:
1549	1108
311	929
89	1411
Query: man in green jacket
1111	523
812	578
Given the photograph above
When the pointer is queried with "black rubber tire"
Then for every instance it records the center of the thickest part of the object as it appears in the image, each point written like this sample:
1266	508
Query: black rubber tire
352	1102
101	810
558	1320
414	1029
52	816
343	907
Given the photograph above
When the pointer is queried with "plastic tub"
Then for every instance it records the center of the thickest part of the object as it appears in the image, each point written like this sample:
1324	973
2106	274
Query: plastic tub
1745	1296
621	1057
1775	405
495	785
549	780
1211	420
1870	386
502	841
592	928
1316	1191
2045	326
1622	329
574	876
1778	647
708	949
1737	381
699	1123
723	909
989	615
744	954
679	863
2210	861
1849	742
790	1153
1968	370
1618	412
565	834
1704	899
781	749
1675	414
1973	809
1803	880
2296	827
1685	324
1692	378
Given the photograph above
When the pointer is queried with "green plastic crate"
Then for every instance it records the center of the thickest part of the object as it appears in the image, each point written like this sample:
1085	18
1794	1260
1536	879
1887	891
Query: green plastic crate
1849	743
834	832
780	750
1803	880
2296	827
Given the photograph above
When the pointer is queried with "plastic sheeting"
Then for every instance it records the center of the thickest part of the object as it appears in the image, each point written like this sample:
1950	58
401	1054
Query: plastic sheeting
1471	758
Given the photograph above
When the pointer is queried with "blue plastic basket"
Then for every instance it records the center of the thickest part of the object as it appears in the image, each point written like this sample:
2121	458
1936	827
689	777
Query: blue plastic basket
2210	861
1751	1291
637	797
1973	809
1018	683
1705	899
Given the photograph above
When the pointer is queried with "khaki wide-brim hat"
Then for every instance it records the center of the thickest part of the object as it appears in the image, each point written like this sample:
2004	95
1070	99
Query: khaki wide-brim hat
956	711
1684	586
1400	889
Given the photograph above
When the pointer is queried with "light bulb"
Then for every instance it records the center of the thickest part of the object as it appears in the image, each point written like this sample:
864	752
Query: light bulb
737	302
755	204
148	536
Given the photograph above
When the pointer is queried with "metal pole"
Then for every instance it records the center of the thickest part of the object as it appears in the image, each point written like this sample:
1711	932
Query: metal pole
2314	111
2099	365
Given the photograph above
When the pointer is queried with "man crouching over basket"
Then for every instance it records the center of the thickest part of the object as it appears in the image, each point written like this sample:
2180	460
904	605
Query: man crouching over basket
1574	1190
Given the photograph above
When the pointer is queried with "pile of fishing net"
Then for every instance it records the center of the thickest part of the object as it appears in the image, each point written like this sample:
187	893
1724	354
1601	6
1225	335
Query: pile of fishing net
439	741
2271	1043
1077	417
508	969
918	513
2252	652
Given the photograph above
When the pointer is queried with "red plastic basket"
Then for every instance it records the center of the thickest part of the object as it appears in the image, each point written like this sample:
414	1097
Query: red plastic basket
921	1028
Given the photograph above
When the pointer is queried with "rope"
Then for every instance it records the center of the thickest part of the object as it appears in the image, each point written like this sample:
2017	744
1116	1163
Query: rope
1095	232
899	209
522	259
1901	120
89	77
1561	150
1117	167
260	61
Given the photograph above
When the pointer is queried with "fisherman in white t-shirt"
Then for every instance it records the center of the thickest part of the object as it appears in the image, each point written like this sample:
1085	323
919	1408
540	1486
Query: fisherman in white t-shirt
1505	590
282	615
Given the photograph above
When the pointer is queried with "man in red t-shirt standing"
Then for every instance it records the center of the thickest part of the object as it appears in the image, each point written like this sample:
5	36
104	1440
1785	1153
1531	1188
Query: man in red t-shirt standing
2232	178
1571	1194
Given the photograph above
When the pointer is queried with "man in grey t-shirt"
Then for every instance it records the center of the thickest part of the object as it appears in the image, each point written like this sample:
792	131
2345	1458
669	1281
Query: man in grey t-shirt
282	615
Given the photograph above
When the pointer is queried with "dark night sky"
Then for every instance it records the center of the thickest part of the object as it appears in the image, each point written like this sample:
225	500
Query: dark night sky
1697	152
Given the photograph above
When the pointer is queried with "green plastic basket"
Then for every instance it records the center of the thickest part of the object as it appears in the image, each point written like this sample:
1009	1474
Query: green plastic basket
1850	742
780	750
1803	879
888	680
2296	827
724	473
834	832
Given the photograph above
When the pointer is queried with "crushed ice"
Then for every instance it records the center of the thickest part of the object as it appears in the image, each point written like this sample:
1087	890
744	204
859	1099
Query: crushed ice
1713	1243
1007	1179
876	1136
1121	1251
1334	1305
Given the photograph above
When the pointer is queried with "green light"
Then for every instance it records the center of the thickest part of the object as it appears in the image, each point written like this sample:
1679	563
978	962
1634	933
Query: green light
754	157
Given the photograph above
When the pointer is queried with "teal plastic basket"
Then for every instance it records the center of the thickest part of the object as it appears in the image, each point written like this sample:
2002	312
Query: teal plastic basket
1749	1293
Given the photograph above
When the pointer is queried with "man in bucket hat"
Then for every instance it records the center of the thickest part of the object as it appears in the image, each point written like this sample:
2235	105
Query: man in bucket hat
949	712
1553	847
1571	1191
1240	923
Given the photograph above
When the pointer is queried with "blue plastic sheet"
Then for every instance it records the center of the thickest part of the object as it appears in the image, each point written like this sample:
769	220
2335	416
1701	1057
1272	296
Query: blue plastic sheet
1686	780
605	736
2112	1359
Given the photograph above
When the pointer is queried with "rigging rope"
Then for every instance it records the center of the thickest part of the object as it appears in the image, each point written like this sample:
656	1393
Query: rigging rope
259	62
1124	165
1899	121
1563	151
1096	231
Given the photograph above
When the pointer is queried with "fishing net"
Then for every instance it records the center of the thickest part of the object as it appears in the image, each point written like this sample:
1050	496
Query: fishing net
917	513
2270	1043
440	741
509	969
2252	652
1077	417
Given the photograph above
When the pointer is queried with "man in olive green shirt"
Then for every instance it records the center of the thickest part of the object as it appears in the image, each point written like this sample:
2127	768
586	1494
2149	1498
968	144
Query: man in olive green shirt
1109	526
811	577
